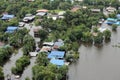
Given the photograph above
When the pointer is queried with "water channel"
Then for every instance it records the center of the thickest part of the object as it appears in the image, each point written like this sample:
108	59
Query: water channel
95	63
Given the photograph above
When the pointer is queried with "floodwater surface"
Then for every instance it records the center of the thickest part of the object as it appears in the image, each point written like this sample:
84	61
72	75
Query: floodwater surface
95	63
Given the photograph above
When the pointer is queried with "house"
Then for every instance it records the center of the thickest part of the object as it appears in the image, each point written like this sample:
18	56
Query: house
28	17
102	29
21	24
31	0
61	13
11	29
111	9
57	62
33	54
42	10
58	44
84	7
118	16
53	16
41	14
48	43
95	10
75	9
36	31
7	17
111	21
56	54
45	49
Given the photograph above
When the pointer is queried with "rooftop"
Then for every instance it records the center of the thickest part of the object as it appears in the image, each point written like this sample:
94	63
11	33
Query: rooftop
33	54
45	49
42	10
57	62
56	54
7	16
58	44
48	43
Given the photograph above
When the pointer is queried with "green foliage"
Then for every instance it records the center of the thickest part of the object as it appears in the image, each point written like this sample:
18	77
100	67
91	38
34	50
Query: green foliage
107	34
29	44
114	27
20	65
1	74
17	39
95	29
37	22
5	53
43	34
27	78
72	56
42	59
99	38
49	72
87	37
96	3
13	22
82	17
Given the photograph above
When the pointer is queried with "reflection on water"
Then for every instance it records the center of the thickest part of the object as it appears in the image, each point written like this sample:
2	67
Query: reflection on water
98	63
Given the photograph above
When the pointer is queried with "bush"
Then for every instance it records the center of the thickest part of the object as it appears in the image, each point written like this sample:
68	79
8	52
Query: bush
20	65
114	27
1	74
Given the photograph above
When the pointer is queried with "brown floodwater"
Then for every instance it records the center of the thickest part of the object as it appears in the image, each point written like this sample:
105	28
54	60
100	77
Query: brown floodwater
95	63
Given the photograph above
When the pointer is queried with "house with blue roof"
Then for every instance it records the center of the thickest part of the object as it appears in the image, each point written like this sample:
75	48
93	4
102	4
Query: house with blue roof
111	21
56	54
57	62
118	16
11	29
7	17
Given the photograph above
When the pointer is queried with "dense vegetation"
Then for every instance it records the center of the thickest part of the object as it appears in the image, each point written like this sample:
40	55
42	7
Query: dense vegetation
1	74
29	44
20	65
5	53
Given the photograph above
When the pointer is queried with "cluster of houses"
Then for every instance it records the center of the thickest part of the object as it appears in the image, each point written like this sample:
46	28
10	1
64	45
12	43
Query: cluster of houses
29	18
52	50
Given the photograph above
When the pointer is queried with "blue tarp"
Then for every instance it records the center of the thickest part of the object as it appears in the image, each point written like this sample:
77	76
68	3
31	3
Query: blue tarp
111	19
11	29
6	16
56	54
57	62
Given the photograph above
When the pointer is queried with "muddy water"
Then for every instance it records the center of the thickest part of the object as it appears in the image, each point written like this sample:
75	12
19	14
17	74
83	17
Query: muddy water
28	71
98	63
11	63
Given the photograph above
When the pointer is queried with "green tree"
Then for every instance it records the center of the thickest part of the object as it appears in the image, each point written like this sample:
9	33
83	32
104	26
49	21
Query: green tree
43	34
21	63
114	27
107	34
87	37
42	59
98	39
